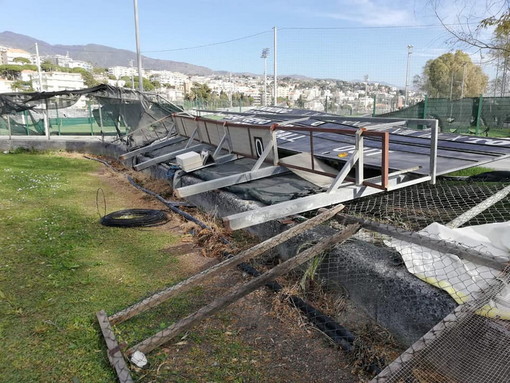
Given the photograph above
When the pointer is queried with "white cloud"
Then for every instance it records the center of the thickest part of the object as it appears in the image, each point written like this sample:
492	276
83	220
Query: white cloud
371	12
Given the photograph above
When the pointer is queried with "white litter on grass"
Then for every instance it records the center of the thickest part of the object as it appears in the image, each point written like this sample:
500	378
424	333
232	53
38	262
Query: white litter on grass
139	359
460	278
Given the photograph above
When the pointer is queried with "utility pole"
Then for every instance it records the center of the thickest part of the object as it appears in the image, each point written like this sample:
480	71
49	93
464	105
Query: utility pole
138	55
45	113
265	53
275	59
409	53
38	64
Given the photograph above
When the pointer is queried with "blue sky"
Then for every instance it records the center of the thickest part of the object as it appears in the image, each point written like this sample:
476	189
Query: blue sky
343	39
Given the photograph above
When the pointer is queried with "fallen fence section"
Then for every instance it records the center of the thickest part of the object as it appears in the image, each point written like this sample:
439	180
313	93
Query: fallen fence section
463	347
115	355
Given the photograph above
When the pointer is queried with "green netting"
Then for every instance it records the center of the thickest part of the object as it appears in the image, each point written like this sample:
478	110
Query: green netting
488	116
138	118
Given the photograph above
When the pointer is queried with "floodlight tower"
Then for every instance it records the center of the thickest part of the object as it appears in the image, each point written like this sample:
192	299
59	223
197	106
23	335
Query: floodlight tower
409	53
138	54
264	55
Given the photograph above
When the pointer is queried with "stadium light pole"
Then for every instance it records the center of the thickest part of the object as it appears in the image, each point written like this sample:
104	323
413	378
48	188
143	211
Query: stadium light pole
409	53
265	53
275	64
138	55
45	113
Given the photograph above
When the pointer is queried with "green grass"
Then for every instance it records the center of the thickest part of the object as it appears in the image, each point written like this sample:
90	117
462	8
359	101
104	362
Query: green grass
58	266
469	172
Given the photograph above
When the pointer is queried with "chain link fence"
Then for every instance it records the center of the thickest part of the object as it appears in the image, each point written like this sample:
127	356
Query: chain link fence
480	116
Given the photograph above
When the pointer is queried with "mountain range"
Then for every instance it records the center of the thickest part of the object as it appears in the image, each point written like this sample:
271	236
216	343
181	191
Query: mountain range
104	56
98	55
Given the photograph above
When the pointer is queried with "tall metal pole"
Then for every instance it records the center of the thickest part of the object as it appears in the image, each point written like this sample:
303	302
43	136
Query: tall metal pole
265	81
409	52
45	113
275	60
38	64
264	55
138	55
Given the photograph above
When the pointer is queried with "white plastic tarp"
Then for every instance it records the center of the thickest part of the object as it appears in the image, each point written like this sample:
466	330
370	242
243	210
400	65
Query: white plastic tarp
461	279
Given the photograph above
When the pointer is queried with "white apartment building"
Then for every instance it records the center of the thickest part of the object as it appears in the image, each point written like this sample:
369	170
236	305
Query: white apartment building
167	77
68	62
54	81
123	71
7	55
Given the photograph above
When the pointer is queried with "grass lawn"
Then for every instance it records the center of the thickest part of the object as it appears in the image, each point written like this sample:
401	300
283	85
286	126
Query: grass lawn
470	172
59	266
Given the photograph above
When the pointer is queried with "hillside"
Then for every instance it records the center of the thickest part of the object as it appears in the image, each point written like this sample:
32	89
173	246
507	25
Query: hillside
97	55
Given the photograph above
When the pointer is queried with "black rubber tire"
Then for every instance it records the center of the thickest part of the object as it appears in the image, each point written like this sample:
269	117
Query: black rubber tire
135	218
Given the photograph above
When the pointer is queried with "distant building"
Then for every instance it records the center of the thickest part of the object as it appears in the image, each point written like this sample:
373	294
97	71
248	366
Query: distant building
68	62
54	81
7	56
168	77
122	71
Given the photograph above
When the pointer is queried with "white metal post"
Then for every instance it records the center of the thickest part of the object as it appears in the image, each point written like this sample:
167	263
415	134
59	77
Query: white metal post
359	164
138	55
264	54
265	81
275	61
433	151
45	113
409	53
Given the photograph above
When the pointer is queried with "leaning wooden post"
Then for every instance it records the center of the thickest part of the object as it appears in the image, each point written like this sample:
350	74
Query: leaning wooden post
259	249
170	332
114	353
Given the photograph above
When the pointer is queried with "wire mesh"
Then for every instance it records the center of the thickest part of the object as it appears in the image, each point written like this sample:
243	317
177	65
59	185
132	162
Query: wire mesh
483	116
415	207
464	347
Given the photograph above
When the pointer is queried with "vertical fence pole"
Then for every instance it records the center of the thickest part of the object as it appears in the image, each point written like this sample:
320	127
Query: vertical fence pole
46	119
25	120
433	151
58	119
9	126
425	111
479	114
374	106
101	122
90	119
